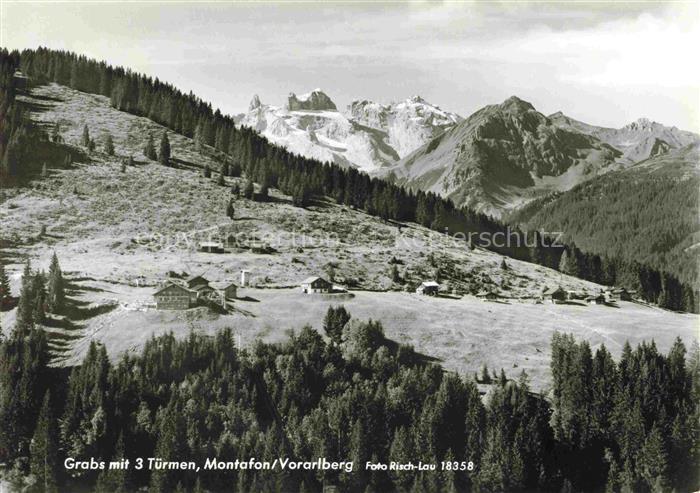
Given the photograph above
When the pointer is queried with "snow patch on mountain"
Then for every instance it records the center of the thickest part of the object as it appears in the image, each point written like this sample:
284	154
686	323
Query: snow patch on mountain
409	124
370	136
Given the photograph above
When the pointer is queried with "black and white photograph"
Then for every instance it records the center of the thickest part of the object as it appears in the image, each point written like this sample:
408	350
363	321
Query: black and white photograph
268	246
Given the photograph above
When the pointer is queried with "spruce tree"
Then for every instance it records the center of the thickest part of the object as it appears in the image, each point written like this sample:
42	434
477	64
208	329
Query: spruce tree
39	311
85	140
25	307
43	448
230	210
395	276
652	463
164	155
485	377
567	263
56	134
5	293
109	144
56	287
116	480
150	150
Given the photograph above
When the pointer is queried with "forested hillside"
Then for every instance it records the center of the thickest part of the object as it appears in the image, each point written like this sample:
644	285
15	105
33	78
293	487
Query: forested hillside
625	426
304	179
647	213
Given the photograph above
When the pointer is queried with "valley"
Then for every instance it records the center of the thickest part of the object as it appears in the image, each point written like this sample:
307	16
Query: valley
118	234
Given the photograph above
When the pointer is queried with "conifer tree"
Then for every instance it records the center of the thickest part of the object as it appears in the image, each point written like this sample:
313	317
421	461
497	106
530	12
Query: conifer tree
5	293
653	461
109	145
249	189
395	276
39	311
150	150
25	307
56	287
171	445
485	377
206	172
164	154
116	480
85	140
43	448
56	134
230	212
568	264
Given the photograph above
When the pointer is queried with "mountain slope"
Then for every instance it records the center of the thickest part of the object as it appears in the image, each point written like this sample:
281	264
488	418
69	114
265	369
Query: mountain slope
149	217
502	156
370	137
645	213
637	141
119	233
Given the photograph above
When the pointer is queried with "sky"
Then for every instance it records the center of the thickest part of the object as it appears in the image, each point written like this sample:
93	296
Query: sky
605	63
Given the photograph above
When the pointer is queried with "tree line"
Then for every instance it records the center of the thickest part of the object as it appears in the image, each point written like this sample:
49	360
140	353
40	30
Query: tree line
242	150
626	426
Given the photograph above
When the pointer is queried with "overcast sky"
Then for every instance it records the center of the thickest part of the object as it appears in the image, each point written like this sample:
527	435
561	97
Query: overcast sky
603	63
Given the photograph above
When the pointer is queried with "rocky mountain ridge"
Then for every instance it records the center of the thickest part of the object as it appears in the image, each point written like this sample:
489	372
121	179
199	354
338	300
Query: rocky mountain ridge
502	156
638	140
505	155
370	136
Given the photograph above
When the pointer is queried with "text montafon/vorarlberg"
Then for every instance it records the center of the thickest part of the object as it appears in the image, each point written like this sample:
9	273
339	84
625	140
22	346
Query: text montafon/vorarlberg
280	463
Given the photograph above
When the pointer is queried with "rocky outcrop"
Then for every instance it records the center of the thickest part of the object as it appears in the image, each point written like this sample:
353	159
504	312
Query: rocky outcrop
254	103
316	100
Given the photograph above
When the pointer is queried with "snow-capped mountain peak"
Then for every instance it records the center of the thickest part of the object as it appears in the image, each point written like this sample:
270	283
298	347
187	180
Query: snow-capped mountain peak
254	103
409	124
370	135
